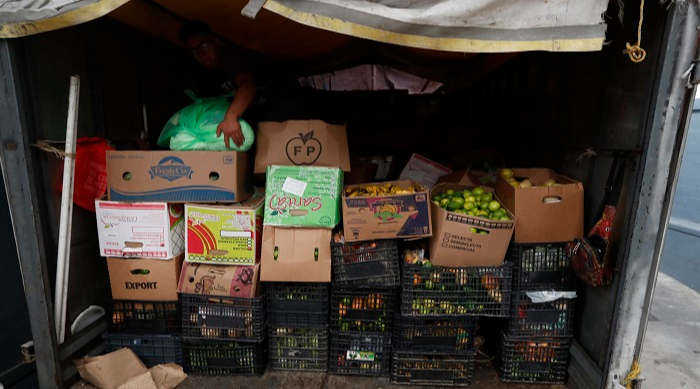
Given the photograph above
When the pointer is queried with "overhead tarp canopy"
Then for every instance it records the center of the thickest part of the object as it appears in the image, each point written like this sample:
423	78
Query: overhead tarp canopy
460	26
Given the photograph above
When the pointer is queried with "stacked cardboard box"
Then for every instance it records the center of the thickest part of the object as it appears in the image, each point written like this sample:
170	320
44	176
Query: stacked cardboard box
221	310
534	343
304	163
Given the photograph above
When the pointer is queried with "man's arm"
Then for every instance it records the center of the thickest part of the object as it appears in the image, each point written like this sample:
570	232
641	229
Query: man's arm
245	94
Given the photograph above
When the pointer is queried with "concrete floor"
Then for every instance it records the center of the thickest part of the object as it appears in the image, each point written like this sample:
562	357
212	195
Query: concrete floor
671	352
484	378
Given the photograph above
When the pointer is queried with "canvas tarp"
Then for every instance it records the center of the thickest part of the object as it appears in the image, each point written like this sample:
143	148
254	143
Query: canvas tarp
444	25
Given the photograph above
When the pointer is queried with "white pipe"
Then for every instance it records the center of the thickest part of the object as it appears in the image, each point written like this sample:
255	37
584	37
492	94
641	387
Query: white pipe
64	235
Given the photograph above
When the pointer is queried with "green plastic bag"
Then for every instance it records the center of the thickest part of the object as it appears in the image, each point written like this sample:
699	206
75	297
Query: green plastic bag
194	127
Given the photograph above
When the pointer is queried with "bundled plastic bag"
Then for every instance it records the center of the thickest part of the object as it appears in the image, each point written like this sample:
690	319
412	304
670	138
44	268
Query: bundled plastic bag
194	127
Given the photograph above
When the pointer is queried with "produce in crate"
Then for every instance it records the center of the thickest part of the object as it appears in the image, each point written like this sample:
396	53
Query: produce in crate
433	290
476	202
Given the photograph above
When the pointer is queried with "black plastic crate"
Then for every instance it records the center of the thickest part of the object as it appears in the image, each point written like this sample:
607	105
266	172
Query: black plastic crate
432	368
362	309
308	320
541	266
300	349
356	353
224	318
532	360
552	319
374	262
151	349
298	297
454	292
216	357
143	317
432	334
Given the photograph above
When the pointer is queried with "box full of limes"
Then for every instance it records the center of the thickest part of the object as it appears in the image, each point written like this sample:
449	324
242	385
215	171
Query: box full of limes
471	226
303	196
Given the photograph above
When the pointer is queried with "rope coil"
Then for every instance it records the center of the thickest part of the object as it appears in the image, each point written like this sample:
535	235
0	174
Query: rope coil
633	374
636	52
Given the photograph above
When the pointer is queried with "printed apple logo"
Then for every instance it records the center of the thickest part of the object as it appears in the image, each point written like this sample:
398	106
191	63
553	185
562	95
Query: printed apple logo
304	149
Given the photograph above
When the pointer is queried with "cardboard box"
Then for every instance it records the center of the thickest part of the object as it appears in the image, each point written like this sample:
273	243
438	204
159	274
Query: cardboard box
296	255
144	279
301	143
143	230
179	176
540	222
423	170
225	234
388	217
219	280
470	178
453	244
300	196
460	177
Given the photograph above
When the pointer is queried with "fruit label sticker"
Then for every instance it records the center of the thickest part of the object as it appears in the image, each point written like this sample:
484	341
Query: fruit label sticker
294	186
363	356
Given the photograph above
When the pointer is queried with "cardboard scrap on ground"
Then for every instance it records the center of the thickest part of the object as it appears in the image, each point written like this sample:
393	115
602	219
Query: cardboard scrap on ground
122	369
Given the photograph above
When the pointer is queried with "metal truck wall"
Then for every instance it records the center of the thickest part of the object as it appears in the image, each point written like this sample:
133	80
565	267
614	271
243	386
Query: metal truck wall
572	112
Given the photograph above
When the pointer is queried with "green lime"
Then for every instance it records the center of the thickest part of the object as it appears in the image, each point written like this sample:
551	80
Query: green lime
444	202
505	218
437	198
459	194
459	200
483	232
487	195
494	205
500	213
453	205
478	198
482	213
470	199
478	191
450	192
473	230
461	211
469	205
467	193
436	203
484	205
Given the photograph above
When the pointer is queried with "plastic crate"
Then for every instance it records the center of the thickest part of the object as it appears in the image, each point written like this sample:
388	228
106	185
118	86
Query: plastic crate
373	262
299	349
215	357
455	292
151	349
432	368
355	353
362	309
429	334
532	360
143	317
552	319
303	298
224	318
309	320
541	266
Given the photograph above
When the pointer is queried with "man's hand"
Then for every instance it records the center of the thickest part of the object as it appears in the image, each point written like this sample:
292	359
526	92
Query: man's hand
231	129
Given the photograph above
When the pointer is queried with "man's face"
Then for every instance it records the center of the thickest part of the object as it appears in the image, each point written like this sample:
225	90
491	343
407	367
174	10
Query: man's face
205	49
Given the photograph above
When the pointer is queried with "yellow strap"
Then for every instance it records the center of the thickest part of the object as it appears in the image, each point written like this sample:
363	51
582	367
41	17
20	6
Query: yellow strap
636	52
635	372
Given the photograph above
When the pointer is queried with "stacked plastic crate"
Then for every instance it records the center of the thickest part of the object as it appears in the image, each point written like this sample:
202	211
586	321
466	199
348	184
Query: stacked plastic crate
534	342
298	326
363	299
224	335
434	335
150	328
